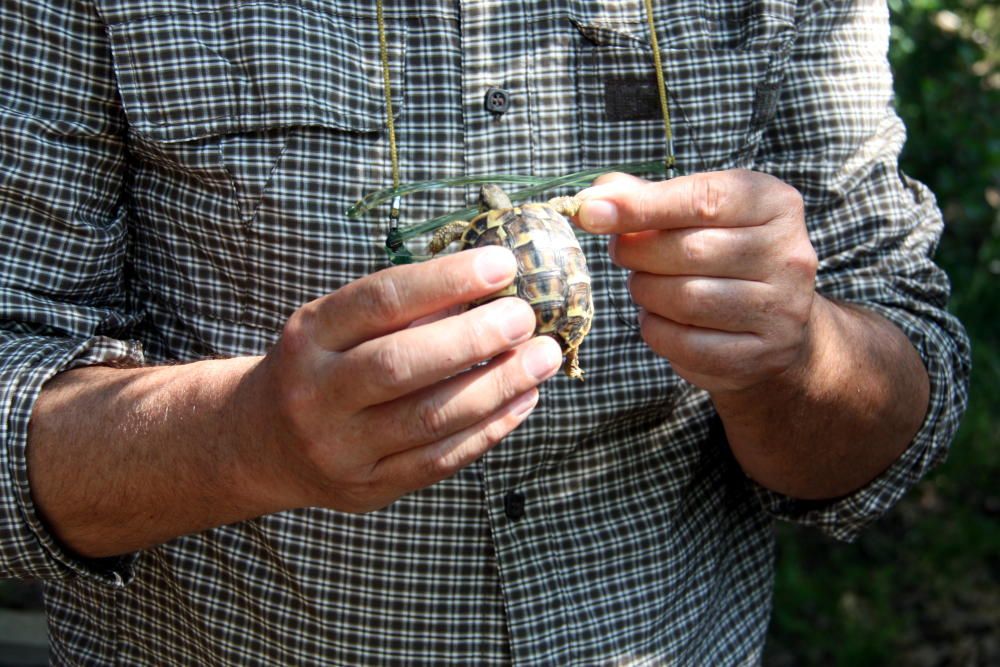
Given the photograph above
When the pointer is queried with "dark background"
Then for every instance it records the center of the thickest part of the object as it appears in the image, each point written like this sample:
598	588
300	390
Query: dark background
922	587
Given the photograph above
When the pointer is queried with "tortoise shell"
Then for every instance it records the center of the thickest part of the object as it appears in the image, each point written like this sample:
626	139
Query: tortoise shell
552	272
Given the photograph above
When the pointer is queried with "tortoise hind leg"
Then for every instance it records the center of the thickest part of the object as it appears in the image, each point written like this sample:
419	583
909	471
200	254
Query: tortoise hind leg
446	235
573	364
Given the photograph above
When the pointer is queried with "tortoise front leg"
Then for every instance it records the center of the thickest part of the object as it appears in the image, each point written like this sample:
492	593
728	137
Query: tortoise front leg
447	235
568	206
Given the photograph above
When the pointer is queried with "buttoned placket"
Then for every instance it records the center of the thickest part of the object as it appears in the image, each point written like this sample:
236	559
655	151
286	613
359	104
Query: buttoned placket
496	75
498	139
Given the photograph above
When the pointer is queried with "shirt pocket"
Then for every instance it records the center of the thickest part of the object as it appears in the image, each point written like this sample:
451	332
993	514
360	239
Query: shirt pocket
718	99
250	67
229	108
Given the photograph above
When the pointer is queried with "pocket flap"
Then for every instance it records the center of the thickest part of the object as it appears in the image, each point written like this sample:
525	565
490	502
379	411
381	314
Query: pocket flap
256	66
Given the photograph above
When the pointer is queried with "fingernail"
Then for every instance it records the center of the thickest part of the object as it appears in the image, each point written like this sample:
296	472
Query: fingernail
524	403
543	358
495	265
515	319
598	215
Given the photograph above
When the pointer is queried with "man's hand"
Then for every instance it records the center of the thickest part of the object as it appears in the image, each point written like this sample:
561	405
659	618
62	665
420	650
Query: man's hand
722	269
817	397
369	394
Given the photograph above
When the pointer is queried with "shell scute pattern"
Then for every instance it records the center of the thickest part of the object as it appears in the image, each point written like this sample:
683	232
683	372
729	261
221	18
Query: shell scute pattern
552	274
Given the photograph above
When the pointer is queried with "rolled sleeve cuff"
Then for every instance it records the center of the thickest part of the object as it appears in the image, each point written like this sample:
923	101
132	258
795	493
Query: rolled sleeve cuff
945	355
27	548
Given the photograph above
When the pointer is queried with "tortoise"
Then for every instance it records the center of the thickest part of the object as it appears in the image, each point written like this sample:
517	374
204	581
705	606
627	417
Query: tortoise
552	273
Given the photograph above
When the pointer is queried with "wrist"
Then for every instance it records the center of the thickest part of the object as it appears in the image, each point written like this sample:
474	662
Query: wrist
808	368
267	480
838	417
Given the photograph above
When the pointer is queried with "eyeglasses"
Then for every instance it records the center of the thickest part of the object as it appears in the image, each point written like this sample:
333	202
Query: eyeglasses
398	236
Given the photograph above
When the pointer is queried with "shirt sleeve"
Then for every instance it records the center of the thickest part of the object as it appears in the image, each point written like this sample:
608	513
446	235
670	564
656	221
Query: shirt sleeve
63	244
836	137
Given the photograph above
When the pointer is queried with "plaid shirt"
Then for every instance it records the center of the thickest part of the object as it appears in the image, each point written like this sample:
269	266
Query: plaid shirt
173	184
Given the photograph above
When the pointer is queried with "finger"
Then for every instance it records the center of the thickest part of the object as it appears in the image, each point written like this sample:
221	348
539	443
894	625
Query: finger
742	252
422	466
707	352
397	364
391	299
615	176
733	198
721	304
440	411
439	315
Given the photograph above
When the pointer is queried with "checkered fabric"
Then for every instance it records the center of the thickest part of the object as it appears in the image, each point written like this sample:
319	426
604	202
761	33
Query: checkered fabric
174	177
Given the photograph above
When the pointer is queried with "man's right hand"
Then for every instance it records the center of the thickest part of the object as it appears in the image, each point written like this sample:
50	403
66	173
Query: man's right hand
375	390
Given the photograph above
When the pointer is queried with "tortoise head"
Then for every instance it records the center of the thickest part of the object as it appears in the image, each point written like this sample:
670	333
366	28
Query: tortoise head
493	197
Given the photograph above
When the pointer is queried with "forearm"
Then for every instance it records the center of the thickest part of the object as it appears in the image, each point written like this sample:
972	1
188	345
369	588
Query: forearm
833	422
123	459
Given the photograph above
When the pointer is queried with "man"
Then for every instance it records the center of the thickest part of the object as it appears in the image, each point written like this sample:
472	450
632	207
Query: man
348	472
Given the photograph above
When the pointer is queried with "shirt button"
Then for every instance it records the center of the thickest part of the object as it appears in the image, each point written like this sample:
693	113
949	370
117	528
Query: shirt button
497	100
513	505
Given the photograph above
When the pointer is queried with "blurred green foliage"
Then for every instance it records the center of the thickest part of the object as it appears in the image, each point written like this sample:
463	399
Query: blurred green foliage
922	587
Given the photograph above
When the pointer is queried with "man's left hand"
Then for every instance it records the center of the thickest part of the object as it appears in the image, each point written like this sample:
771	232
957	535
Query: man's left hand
721	267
